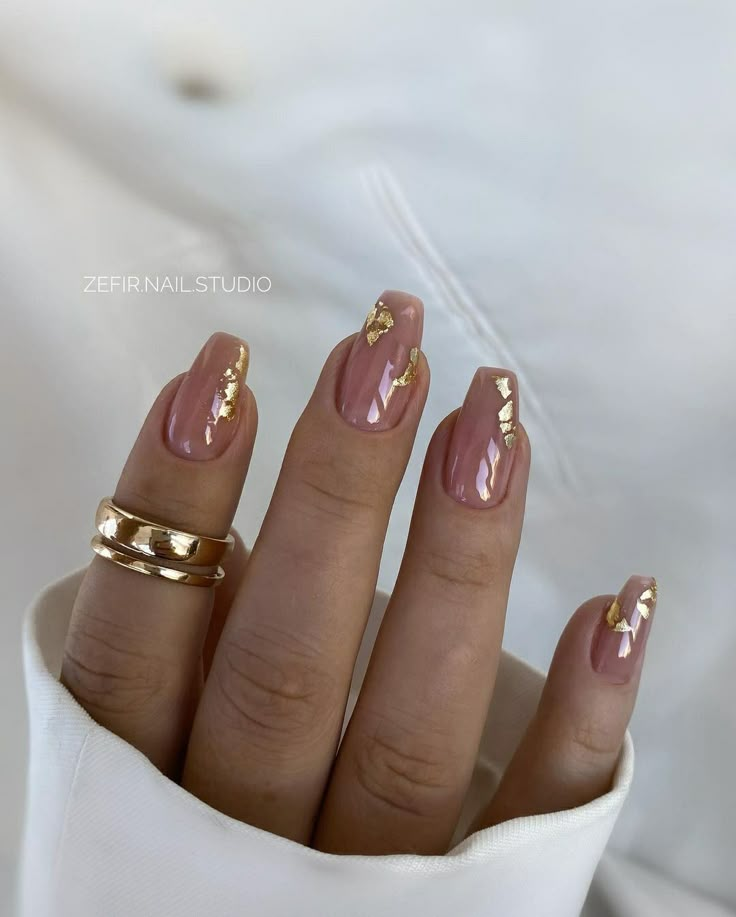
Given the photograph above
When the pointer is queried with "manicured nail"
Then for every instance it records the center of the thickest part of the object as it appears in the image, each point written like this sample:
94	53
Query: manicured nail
483	442
382	365
618	644
203	416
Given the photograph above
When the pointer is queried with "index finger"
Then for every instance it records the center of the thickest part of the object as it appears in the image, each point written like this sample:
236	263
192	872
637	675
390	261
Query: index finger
133	653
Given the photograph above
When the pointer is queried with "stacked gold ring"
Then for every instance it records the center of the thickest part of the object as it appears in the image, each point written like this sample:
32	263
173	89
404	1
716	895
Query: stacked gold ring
151	547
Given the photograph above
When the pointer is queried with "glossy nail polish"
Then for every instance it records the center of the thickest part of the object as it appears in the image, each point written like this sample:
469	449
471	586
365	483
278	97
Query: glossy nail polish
618	644
483	442
382	365
204	413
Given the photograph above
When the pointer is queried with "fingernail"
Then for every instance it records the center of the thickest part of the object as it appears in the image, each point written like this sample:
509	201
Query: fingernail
382	366
483	442
618	643
203	416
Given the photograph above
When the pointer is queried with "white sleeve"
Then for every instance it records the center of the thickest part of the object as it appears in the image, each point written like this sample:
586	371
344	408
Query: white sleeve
107	834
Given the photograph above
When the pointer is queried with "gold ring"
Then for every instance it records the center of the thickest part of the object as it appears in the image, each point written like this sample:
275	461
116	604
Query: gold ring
151	569
155	539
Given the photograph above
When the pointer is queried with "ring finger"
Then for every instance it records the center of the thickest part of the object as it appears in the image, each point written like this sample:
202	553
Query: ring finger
409	750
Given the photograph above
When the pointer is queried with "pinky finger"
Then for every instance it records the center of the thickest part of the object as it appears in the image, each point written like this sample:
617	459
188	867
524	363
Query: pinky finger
570	750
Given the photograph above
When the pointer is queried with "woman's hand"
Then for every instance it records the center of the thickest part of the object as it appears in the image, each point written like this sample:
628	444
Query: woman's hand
239	692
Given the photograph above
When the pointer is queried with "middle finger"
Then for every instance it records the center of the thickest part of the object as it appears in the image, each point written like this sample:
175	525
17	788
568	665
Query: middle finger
266	730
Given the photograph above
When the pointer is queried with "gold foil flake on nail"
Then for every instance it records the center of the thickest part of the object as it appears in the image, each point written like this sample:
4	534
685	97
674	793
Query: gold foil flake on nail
242	362
228	400
229	390
506	414
410	373
613	614
647	600
614	619
502	384
379	321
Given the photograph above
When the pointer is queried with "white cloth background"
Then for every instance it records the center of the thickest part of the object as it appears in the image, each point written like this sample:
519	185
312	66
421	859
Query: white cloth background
556	181
118	839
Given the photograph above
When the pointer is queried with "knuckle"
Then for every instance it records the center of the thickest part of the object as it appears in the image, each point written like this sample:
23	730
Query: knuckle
589	739
341	489
404	773
460	571
152	496
106	674
276	691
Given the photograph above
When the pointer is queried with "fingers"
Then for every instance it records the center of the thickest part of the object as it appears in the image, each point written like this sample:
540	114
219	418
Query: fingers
571	747
409	750
133	652
264	737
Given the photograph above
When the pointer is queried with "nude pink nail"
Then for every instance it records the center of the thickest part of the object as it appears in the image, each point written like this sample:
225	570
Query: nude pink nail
617	650
382	365
483	443
203	417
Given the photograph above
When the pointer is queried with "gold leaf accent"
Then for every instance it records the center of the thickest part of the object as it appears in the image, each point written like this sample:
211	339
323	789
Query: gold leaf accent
410	373
506	414
378	323
230	387
507	411
228	400
613	613
647	600
614	619
502	384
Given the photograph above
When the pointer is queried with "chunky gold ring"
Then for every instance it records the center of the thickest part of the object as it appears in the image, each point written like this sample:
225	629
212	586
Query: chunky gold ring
150	569
155	539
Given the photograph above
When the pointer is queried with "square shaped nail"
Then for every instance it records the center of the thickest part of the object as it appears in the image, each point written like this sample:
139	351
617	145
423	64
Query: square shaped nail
382	365
618	644
203	415
483	442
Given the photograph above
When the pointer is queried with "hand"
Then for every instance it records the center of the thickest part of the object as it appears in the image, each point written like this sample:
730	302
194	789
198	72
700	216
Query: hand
239	692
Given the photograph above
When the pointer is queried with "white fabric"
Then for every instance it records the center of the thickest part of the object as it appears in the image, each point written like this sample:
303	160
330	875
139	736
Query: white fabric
115	837
556	180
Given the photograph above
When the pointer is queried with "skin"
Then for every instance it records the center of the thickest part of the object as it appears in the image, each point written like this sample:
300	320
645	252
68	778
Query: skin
239	693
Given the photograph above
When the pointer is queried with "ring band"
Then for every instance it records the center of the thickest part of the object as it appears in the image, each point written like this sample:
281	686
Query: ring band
152	569
157	540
